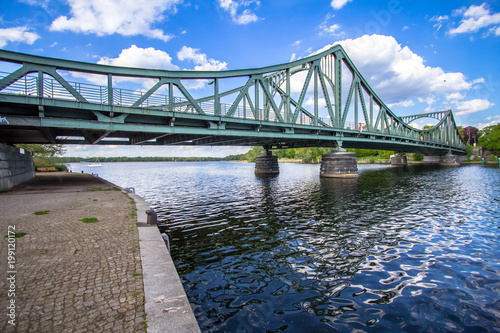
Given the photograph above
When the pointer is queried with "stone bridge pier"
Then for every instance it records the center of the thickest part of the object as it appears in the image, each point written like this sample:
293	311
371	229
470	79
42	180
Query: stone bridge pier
267	164
339	164
399	160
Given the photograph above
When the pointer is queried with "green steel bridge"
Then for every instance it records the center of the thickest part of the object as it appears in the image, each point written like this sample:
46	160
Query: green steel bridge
318	101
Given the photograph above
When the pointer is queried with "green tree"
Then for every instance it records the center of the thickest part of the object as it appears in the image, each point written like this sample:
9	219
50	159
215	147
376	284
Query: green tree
489	138
253	153
45	150
311	155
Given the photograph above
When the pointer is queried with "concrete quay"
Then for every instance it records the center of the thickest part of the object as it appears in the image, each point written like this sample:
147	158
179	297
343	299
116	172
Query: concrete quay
65	275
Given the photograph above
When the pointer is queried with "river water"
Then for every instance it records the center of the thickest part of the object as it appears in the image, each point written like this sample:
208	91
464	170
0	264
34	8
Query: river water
412	249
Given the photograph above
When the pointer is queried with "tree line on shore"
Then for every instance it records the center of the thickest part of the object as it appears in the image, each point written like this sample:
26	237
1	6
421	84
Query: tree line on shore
49	154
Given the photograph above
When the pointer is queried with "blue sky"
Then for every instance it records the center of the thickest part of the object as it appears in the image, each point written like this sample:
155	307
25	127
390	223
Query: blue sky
419	56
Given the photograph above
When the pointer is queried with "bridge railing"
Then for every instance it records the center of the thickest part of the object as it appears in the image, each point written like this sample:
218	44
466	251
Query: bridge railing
52	89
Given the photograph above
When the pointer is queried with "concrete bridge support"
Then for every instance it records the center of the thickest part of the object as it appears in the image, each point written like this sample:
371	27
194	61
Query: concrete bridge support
267	164
443	160
15	167
449	160
399	160
432	159
339	164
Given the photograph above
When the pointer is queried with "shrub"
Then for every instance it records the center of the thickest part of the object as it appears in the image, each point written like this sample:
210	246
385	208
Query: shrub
418	157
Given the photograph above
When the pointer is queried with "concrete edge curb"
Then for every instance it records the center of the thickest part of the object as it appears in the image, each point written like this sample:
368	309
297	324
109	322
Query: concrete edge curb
166	304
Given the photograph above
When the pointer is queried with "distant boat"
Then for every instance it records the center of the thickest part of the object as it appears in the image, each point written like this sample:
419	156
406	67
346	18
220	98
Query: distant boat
94	164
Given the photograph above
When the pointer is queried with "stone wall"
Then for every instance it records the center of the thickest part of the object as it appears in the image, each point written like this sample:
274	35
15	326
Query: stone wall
15	167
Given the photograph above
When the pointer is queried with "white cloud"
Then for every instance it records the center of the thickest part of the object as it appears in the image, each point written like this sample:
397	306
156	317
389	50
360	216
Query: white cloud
133	57
332	29
124	17
246	17
475	18
396	73
490	121
200	59
405	103
17	34
456	96
429	100
202	64
472	106
439	20
233	7
143	58
495	31
338	4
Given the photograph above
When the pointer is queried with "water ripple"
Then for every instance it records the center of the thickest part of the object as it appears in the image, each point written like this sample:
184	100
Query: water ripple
398	249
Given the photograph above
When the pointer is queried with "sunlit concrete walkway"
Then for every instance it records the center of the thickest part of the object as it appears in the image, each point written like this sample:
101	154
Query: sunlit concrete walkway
71	276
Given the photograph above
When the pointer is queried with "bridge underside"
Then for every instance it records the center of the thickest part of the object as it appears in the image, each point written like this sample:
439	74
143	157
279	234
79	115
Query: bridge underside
56	125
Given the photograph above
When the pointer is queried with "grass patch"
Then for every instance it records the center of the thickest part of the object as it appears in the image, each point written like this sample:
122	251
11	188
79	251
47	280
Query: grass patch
5	191
41	212
101	189
89	220
16	235
134	274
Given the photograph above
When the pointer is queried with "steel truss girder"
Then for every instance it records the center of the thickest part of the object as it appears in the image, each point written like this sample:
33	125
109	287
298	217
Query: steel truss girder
264	101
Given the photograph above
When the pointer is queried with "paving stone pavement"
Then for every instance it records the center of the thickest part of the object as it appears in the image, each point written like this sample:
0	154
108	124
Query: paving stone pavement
71	276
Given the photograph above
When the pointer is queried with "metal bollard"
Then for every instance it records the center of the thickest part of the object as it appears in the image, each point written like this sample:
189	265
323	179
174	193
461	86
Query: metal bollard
166	240
152	217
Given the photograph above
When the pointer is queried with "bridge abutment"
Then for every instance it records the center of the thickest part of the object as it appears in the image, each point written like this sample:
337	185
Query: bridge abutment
339	164
399	160
432	159
442	160
15	167
267	164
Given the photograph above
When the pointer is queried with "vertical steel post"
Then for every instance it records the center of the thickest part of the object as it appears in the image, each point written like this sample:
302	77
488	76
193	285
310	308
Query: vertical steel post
257	107
171	97
216	97
371	113
356	104
265	103
110	89
244	107
338	88
39	85
287	97
316	114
